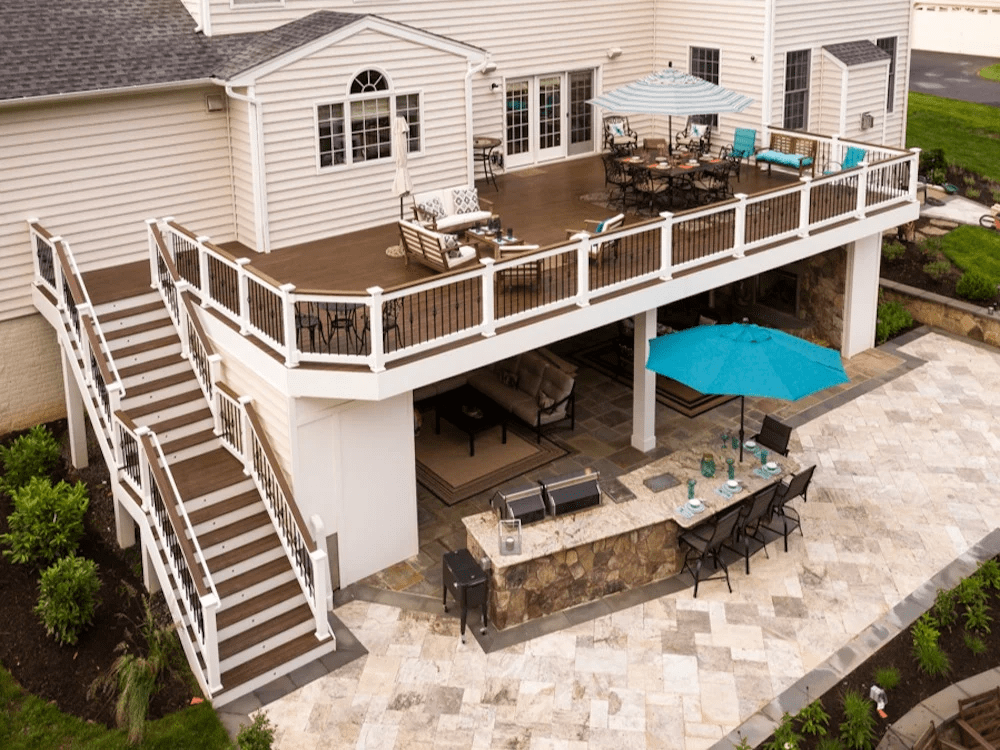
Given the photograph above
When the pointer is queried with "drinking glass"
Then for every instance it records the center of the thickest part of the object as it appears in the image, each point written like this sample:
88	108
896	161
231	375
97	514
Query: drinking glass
736	442
691	484
763	457
725	440
731	468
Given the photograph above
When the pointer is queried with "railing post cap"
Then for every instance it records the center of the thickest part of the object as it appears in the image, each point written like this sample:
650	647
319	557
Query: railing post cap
581	235
211	600
374	290
143	430
243	261
741	196
168	219
55	238
487	261
245	399
150	222
668	215
202	238
33	220
214	357
318	527
287	287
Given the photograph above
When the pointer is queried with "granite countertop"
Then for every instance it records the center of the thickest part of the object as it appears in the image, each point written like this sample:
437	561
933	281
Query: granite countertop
648	508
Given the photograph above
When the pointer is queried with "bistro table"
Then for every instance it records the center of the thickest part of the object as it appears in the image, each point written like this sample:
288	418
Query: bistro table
482	151
613	547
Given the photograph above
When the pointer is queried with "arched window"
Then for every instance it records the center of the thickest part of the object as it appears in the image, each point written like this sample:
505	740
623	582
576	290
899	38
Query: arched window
364	121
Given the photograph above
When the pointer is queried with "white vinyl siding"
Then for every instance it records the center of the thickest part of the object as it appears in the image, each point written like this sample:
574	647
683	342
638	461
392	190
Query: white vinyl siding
306	202
93	171
243	191
866	90
828	108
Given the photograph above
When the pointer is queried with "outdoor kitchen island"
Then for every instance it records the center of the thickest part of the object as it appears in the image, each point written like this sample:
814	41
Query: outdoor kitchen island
580	557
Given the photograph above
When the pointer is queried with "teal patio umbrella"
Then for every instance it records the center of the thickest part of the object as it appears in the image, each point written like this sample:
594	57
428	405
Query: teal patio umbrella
742	360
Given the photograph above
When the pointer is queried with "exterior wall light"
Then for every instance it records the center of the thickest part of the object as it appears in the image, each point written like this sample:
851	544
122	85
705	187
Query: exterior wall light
614	53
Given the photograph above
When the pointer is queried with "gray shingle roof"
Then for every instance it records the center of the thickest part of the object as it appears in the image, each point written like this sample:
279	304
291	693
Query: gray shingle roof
52	47
857	53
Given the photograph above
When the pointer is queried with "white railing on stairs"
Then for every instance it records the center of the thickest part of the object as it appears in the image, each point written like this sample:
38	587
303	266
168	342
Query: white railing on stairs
240	429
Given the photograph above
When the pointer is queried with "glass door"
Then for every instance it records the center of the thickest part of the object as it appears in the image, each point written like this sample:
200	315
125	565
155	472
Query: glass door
581	114
550	118
517	105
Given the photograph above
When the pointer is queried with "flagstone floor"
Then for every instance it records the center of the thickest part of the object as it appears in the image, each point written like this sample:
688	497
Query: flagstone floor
905	483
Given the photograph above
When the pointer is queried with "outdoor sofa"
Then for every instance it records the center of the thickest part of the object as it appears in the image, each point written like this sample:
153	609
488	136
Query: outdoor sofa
451	209
442	252
789	151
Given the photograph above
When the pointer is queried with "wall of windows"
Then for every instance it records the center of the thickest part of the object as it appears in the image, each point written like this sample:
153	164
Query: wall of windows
360	129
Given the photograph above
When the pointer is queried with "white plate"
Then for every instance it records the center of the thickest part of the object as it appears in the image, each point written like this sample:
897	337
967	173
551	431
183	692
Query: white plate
732	484
696	504
771	466
749	444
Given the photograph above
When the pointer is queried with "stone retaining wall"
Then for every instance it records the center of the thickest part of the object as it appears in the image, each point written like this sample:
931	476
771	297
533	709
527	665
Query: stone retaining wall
963	318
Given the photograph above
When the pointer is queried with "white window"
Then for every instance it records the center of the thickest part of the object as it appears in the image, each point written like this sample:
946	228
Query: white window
797	89
889	45
705	65
360	128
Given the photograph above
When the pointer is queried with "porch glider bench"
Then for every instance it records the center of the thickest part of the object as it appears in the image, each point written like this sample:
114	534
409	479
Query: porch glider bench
442	252
789	151
451	209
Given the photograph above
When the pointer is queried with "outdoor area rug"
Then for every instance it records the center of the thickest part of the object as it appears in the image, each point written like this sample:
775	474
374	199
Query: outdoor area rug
603	357
446	469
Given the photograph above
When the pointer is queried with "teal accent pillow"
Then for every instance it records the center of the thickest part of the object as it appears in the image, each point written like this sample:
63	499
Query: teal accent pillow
600	227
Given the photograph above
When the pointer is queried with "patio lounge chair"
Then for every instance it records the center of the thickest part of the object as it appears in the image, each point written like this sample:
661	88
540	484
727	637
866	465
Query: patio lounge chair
774	435
600	249
433	248
705	541
618	136
852	158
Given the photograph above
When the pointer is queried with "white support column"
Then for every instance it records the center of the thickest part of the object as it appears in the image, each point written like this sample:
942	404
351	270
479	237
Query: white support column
644	384
149	578
124	526
75	416
861	294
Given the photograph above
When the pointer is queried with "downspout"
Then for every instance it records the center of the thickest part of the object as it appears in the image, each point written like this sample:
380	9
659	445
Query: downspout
767	85
473	69
256	135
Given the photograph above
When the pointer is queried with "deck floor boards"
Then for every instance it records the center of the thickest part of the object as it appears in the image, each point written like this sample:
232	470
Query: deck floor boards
207	473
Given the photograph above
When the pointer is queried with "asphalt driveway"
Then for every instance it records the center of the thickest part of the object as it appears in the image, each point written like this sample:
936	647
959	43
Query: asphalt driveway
953	76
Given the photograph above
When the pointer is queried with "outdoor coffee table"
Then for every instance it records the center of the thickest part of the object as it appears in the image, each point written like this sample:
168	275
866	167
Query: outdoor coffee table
471	412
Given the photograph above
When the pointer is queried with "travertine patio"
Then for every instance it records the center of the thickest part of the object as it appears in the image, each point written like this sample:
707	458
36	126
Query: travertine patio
904	485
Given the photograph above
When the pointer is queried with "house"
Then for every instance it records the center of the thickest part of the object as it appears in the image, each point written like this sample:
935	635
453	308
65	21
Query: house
159	154
958	28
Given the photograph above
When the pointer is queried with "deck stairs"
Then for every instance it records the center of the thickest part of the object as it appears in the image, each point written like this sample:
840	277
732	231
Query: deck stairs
265	626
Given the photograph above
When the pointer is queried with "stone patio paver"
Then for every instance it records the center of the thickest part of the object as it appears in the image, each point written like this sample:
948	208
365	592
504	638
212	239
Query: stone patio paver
896	497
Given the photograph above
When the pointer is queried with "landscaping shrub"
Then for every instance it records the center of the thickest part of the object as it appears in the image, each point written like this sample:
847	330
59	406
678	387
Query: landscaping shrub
47	522
975	286
813	719
33	454
893	250
892	318
259	734
931	660
69	596
937	269
785	737
857	731
933	165
974	643
931	248
887	678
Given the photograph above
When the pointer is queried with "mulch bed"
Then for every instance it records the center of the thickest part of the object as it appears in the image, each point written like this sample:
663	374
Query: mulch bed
914	686
63	674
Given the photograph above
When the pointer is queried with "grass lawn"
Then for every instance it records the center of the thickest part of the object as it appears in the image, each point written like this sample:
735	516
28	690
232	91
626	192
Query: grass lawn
991	73
968	133
30	723
974	248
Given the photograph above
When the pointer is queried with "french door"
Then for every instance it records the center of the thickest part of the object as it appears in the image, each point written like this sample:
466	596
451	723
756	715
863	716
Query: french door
547	117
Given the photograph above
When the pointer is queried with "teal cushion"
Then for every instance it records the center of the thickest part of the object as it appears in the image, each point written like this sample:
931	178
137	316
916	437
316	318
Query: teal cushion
600	227
786	160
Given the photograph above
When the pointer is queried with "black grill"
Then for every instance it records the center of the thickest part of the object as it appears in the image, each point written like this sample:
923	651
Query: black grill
571	492
521	499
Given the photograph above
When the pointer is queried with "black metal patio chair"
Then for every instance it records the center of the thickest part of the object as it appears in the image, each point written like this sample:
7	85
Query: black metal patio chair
774	435
755	510
781	513
705	541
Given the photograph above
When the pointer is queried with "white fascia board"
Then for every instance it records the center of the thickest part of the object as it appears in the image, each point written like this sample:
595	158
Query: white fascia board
28	101
369	23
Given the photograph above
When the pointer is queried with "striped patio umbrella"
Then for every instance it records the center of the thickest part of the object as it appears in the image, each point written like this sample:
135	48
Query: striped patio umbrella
671	92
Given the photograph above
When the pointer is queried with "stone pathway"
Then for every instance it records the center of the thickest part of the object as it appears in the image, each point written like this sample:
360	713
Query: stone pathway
903	486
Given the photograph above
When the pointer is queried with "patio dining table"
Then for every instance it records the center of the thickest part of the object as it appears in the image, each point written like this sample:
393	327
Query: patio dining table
676	173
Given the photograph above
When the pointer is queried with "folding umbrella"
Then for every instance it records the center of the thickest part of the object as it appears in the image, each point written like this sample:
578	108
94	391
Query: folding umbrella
401	184
671	92
742	360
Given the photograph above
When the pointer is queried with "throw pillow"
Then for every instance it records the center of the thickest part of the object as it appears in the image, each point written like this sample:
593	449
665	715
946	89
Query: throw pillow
431	209
545	401
697	131
449	242
617	129
455	254
466	200
599	228
509	378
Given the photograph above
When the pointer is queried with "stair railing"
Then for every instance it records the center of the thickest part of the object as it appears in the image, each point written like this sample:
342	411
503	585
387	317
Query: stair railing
241	431
144	468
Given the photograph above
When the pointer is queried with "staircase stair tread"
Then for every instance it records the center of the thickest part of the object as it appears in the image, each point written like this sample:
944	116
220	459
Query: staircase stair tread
206	473
141	410
246	609
149	325
145	346
165	382
252	577
243	552
151	365
128	312
234	529
268	629
273	658
225	506
182	420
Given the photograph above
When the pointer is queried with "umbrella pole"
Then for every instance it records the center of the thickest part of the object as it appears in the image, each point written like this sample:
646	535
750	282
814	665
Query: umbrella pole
742	398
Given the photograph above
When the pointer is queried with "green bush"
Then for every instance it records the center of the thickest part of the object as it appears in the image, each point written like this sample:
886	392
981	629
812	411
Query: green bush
938	269
891	318
887	678
47	522
931	248
974	643
785	737
33	454
829	743
933	165
69	596
944	609
857	731
975	286
813	719
258	735
972	193
989	573
931	660
893	250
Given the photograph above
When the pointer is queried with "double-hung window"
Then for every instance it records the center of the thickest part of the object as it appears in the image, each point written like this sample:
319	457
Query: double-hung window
359	129
705	65
796	115
889	45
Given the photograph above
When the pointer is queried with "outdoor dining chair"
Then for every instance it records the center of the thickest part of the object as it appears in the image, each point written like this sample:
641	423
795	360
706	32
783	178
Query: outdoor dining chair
618	178
774	435
705	541
781	513
743	147
755	510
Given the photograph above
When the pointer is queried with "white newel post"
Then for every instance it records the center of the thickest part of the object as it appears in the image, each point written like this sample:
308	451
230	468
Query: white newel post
321	576
914	170
740	226
246	436
582	269
861	205
489	318
667	246
290	329
861	294
202	270
377	360
209	608
154	276
75	415
644	384
243	290
804	198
